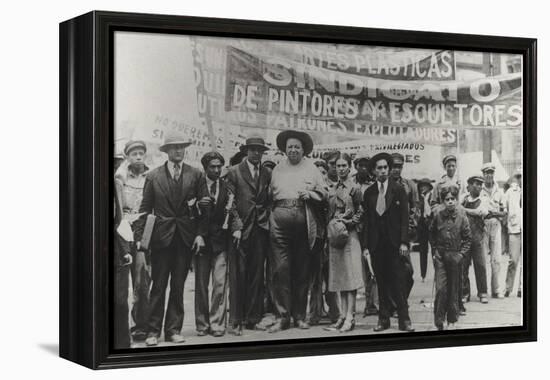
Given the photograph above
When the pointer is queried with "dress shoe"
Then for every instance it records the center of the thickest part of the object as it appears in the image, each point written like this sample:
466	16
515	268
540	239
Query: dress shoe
483	299
348	325
151	341
335	326
218	333
278	326
314	321
439	326
202	332
236	330
301	324
176	338
462	311
255	326
139	336
406	326
519	293
381	326
507	293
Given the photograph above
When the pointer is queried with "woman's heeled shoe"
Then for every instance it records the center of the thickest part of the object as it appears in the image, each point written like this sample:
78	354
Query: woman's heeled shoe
348	325
335	326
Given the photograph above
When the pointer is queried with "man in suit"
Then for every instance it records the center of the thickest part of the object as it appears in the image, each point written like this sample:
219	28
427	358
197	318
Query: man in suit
170	192
249	182
386	237
217	206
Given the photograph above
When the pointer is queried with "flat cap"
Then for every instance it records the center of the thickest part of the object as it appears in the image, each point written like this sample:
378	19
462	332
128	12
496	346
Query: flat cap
476	178
133	144
447	158
488	166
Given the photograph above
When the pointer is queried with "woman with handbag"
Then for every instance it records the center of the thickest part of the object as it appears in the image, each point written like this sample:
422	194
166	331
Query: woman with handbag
345	266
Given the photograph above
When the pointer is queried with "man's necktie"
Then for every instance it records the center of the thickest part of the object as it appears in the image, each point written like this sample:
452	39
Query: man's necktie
255	177
213	190
427	208
381	201
176	172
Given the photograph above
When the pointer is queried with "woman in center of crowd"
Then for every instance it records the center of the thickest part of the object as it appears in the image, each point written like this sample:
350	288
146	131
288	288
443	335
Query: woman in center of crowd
345	265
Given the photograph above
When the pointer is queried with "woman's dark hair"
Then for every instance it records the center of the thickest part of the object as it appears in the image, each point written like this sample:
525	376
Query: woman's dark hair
346	157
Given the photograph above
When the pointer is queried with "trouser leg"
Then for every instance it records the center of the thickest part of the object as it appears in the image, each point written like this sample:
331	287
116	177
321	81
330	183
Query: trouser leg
122	328
441	290
141	276
454	269
515	254
423	248
280	264
464	291
180	262
237	285
299	266
255	249
477	254
218	303
202	277
160	273
493	246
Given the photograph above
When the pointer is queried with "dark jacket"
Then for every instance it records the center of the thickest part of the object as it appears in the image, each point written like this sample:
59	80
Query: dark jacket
217	238
396	214
172	211
252	201
450	231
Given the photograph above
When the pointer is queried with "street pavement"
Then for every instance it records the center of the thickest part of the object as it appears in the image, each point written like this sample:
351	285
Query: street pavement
497	313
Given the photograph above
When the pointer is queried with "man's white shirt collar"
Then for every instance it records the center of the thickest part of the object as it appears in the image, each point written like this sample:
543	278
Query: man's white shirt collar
385	183
251	167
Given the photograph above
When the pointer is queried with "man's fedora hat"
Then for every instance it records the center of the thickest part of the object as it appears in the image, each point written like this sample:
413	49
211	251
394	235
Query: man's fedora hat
174	137
257	142
307	142
380	156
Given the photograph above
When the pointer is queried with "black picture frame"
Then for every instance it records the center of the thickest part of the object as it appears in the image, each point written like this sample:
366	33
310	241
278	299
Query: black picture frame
86	188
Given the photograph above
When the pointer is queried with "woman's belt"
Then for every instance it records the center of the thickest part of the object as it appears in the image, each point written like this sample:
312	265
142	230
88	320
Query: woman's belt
288	203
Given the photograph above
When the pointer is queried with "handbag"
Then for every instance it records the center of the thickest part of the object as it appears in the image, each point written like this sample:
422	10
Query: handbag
338	233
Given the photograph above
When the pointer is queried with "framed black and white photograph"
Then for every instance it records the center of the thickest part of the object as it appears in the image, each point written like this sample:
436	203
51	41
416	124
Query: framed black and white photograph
238	189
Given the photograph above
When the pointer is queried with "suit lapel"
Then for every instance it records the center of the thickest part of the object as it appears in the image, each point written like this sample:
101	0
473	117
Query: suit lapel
245	172
164	183
184	183
390	193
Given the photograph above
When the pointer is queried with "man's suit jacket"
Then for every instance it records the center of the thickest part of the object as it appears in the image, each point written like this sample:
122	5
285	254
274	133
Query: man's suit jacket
396	214
252	200
217	237
173	214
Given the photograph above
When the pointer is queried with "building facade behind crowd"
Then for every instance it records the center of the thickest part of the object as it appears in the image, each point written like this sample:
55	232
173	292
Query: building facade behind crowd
268	234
